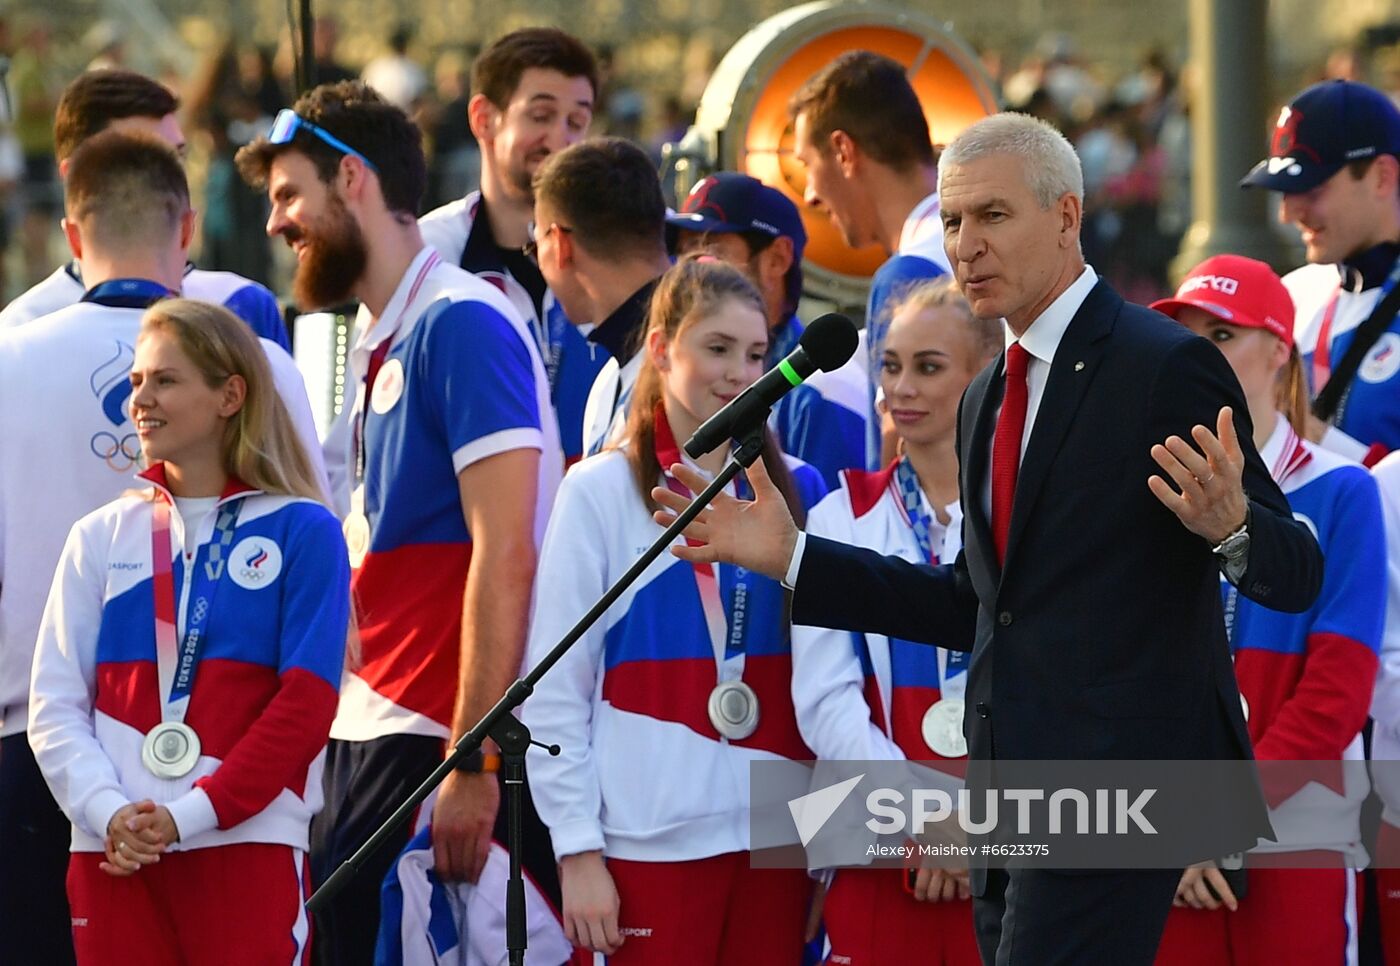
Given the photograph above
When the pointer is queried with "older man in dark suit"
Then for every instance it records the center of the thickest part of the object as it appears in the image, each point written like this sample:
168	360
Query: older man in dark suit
1088	590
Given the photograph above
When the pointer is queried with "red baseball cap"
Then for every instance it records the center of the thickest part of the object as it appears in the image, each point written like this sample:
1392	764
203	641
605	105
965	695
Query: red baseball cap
1237	290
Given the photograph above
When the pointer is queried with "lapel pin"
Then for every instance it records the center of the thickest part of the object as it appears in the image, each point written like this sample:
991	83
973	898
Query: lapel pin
1078	367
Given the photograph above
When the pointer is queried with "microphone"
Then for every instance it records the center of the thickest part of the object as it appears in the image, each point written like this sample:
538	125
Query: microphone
826	344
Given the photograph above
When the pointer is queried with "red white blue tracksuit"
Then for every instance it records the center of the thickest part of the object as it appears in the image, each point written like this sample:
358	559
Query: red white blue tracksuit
1385	717
862	697
64	388
461	381
644	776
1306	680
263	697
1332	302
449	376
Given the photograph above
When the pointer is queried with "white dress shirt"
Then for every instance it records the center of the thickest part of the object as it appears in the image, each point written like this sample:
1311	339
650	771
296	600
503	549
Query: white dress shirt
1041	340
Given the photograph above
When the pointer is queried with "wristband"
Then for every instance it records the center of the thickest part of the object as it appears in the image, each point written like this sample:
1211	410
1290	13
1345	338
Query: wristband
479	761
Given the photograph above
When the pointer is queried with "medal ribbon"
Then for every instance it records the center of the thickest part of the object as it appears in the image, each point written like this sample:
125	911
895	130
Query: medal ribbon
376	361
727	635
1322	359
547	331
176	656
552	353
952	665
911	502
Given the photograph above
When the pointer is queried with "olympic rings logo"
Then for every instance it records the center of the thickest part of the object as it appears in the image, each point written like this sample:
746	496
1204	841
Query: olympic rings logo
121	454
201	609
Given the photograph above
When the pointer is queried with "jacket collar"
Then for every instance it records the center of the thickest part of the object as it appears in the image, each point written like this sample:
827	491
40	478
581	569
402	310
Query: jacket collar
155	475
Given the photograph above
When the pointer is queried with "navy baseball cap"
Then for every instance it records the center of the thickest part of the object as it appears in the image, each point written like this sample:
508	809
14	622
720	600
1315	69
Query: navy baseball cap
1327	126
732	202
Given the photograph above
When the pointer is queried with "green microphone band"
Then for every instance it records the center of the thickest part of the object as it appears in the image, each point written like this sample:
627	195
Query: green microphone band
789	372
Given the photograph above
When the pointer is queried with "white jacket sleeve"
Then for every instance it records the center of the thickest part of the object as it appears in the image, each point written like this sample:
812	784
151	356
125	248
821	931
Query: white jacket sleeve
1385	703
63	687
573	573
292	388
828	685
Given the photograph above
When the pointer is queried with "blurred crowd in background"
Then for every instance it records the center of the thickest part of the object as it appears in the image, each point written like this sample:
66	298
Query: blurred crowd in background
1131	128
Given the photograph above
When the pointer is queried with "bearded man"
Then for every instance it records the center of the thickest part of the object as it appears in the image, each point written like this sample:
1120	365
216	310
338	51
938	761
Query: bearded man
454	460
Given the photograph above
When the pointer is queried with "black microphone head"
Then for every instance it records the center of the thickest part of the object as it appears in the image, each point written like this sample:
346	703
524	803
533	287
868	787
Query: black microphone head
830	341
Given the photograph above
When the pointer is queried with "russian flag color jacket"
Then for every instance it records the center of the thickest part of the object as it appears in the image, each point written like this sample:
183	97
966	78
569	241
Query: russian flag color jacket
1307	679
644	775
862	697
265	682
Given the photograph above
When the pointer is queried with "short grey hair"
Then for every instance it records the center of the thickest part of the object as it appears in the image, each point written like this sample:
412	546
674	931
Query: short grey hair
1052	168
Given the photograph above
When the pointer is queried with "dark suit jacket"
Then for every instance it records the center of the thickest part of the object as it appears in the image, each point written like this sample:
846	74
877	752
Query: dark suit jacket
1103	637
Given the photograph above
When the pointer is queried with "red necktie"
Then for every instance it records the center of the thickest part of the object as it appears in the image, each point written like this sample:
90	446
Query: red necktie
1006	445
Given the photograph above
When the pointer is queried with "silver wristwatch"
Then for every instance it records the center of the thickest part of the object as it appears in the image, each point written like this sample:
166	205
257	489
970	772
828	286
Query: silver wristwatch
1235	545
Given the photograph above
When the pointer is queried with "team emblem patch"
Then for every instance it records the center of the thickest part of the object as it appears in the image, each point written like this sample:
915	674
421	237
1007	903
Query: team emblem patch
1383	361
117	445
388	386
255	563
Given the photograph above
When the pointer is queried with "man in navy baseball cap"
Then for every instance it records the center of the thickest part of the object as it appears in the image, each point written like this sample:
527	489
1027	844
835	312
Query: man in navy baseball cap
1326	127
1335	156
755	227
759	230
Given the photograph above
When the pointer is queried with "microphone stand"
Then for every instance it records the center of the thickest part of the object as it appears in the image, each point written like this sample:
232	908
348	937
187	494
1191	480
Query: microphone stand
510	732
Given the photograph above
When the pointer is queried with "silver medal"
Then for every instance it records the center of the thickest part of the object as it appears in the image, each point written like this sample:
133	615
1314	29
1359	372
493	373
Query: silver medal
170	750
733	710
356	529
942	728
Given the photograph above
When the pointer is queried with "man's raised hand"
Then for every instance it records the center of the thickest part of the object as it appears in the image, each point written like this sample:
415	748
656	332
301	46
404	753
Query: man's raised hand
1209	496
757	534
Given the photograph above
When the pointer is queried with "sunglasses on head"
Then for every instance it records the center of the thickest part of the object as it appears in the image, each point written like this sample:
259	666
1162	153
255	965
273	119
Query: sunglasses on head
288	122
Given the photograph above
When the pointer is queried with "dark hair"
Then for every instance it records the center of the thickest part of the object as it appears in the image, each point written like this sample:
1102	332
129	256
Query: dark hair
496	73
608	193
98	97
1359	168
758	242
127	190
870	98
354	113
692	288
